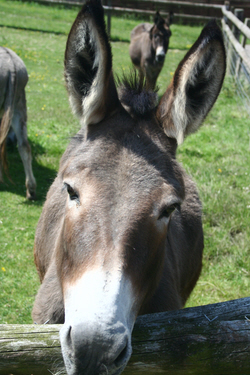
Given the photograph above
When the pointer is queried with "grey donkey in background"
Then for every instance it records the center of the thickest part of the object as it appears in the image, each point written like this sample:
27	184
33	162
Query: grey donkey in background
13	114
149	46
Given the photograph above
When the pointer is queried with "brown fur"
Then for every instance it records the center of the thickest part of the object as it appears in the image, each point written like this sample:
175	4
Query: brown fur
145	38
121	200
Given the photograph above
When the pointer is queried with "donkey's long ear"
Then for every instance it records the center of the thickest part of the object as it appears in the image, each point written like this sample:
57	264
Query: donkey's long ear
195	85
158	20
88	66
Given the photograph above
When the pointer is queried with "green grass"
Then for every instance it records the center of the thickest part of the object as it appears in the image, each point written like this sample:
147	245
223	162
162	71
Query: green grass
26	15
218	158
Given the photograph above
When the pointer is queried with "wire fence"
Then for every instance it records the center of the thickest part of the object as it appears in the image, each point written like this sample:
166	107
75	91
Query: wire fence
239	72
238	55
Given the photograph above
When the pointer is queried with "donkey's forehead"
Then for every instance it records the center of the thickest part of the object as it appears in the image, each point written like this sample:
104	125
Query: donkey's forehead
163	28
166	30
133	159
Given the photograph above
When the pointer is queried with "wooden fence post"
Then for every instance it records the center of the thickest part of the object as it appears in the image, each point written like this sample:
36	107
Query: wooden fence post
226	41
227	6
239	13
243	43
109	4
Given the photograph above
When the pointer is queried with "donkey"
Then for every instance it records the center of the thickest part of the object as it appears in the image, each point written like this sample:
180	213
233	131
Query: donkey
13	111
120	233
148	47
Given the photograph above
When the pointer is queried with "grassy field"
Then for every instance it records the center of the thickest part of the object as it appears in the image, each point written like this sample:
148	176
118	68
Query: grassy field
218	158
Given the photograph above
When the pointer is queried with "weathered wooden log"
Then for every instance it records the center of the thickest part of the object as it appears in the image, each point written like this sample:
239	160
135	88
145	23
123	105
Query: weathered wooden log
206	340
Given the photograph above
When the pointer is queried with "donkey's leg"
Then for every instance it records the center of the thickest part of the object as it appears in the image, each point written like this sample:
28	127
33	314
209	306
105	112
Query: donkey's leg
20	129
150	83
1	174
151	77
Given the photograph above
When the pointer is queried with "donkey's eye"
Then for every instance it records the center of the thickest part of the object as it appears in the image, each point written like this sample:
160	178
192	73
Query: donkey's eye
167	211
73	195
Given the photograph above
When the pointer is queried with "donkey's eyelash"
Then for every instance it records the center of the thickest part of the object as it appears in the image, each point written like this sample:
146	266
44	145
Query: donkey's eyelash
73	194
167	211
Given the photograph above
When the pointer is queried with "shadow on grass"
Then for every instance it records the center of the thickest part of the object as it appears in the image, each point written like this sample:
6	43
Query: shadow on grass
114	38
193	153
34	29
119	39
16	184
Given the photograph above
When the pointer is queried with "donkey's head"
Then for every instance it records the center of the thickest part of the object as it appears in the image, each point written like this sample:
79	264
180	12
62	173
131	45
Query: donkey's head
160	34
121	184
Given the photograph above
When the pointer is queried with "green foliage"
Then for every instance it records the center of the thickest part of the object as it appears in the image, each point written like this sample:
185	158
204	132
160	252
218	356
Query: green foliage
218	158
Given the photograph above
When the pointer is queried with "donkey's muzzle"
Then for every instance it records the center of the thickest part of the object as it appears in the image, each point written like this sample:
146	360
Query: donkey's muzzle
160	57
95	350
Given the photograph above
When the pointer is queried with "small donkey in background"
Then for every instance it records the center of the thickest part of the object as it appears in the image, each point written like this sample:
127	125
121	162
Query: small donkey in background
120	232
13	114
148	47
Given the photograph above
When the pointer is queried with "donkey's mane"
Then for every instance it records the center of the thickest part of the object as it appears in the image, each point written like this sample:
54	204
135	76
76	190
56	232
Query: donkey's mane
134	95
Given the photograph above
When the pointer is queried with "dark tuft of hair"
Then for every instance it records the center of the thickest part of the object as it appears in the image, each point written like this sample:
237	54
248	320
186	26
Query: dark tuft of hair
134	96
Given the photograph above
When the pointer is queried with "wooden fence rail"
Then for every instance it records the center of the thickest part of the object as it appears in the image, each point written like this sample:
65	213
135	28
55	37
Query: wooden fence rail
240	25
205	340
233	35
184	11
236	34
241	51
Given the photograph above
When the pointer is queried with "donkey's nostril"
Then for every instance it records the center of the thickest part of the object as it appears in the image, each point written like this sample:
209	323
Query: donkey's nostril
160	57
122	357
68	336
95	349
